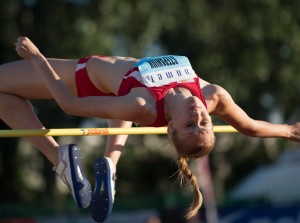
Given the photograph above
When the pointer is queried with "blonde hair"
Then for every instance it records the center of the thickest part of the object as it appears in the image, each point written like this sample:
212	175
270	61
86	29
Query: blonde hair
185	152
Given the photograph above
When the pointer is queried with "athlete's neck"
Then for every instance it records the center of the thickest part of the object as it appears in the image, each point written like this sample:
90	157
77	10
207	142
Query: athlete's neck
174	98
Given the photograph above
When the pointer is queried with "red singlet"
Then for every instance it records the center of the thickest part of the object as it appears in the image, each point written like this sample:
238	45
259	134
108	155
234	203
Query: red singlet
132	79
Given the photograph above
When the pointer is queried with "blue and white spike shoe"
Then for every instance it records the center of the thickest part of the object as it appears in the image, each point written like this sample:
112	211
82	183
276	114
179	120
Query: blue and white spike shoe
104	193
69	171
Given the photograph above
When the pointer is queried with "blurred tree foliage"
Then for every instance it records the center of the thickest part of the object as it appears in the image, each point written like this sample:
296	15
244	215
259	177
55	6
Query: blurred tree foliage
249	47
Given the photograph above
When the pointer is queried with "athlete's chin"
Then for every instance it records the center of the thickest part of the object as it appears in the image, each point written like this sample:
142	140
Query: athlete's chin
193	101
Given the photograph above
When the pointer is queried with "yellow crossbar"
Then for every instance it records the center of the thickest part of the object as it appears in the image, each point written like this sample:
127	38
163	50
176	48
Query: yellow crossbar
96	131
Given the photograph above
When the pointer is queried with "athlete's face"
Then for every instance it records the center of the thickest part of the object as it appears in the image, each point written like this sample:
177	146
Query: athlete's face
191	120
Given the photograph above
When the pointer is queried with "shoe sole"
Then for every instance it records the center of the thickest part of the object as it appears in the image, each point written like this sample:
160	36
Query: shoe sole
77	181
101	204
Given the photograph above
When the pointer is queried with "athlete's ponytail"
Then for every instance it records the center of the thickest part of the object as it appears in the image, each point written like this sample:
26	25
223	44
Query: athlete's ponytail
186	151
186	174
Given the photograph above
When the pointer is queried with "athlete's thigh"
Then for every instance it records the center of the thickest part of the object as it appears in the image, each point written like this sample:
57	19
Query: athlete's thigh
21	78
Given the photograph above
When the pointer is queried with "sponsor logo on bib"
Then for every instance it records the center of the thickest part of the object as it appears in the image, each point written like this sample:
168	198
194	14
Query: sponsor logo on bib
159	71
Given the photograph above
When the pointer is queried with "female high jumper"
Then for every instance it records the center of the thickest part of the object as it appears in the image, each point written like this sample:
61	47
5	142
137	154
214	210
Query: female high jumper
153	91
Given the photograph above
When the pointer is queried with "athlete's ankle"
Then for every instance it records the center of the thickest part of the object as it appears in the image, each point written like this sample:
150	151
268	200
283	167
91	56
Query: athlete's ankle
114	166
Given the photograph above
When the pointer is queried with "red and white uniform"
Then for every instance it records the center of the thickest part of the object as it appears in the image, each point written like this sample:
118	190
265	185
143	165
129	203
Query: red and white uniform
133	79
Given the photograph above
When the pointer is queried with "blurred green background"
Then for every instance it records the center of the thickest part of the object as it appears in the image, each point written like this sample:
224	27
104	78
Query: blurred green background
250	47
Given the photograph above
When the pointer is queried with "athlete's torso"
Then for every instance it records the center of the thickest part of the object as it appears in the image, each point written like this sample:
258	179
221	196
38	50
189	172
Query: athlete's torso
149	78
106	73
158	75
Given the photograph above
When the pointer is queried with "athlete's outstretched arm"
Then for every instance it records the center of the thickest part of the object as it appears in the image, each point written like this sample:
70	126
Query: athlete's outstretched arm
230	112
102	107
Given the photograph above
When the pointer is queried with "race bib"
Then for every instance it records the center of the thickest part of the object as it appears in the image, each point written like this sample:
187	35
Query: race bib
158	71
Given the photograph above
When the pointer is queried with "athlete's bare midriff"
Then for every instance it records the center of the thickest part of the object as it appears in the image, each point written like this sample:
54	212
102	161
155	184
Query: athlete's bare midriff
106	73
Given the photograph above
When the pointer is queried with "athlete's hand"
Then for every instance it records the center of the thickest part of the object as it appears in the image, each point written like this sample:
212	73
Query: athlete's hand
26	49
295	132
